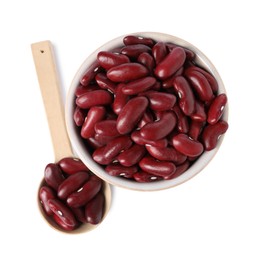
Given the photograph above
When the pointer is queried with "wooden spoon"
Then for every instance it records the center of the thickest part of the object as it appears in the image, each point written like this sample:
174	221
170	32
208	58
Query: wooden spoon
50	89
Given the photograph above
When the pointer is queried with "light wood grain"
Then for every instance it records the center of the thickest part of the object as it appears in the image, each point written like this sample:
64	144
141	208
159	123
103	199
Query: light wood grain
50	89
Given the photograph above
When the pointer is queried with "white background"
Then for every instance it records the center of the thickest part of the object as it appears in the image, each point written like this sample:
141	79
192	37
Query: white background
211	216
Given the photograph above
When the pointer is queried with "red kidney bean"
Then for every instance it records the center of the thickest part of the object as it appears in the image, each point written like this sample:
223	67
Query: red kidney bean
106	154
186	145
166	154
106	128
159	51
103	139
108	59
90	73
190	55
192	158
116	169
159	129
138	139
80	90
182	120
145	177
94	209
63	213
132	155
199	113
94	98
93	143
95	114
72	165
71	184
99	156
179	170
160	101
212	81
216	109
147	60
200	84
131	114
137	86
79	214
186	96
155	167
146	118
171	63
46	193
105	83
63	225
79	116
53	175
127	72
114	147
132	39
133	51
195	129
212	133
86	193
168	83
120	99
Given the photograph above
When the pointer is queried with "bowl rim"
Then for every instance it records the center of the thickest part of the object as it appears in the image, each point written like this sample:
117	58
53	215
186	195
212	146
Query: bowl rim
201	59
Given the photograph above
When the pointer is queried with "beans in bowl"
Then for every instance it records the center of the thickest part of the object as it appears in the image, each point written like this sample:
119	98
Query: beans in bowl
147	110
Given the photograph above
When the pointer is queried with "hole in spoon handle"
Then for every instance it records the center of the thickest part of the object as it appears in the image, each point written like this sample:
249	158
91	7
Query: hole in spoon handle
49	83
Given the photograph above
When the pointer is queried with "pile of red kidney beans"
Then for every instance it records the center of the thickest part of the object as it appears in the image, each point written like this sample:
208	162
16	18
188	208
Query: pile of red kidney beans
147	110
71	194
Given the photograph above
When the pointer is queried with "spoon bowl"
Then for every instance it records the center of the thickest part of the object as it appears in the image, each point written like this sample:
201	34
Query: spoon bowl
82	228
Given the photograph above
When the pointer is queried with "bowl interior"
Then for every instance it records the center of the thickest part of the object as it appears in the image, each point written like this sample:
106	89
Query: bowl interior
79	145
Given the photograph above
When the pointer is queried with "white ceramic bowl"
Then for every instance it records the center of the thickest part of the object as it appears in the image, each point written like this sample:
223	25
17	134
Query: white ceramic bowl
86	157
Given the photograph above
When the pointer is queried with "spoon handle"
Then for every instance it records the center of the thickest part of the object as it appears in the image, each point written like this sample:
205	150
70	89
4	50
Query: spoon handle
49	83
